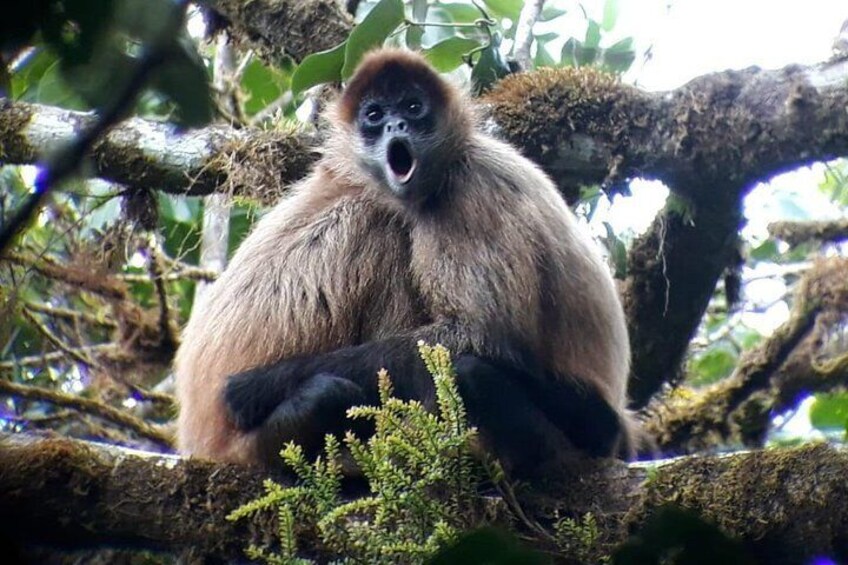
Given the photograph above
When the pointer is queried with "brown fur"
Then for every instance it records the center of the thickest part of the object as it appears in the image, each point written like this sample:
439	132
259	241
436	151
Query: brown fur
340	262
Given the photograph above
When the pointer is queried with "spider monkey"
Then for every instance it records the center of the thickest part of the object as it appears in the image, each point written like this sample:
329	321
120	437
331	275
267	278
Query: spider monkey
415	225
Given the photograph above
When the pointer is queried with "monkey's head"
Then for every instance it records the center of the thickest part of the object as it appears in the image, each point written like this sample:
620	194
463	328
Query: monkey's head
407	123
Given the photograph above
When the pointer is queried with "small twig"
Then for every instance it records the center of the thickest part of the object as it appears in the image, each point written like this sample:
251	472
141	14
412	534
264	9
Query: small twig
268	111
241	67
156	270
88	406
524	32
49	357
69	314
190	274
152	396
72	352
105	286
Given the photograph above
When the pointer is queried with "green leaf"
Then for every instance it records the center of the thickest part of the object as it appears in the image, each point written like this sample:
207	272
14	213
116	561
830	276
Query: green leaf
543	38
610	14
568	54
460	13
415	33
625	44
593	35
318	68
766	251
447	55
263	85
550	12
380	22
181	221
830	411
575	53
620	56
490	67
505	8
26	77
543	58
713	365
184	81
55	91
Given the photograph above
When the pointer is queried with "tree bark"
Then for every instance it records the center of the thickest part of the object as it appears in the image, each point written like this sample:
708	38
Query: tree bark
785	506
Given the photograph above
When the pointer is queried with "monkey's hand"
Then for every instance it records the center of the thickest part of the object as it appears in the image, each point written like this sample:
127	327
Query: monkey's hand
251	396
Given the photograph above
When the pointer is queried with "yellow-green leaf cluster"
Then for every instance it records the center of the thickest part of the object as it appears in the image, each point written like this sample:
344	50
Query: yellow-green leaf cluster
421	471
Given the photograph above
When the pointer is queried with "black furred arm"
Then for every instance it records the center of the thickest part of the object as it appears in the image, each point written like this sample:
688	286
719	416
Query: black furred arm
252	395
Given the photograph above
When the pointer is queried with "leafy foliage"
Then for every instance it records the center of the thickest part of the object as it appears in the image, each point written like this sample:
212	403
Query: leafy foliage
421	471
96	47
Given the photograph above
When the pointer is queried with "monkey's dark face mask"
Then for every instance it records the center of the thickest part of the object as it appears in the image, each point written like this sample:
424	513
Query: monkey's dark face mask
397	131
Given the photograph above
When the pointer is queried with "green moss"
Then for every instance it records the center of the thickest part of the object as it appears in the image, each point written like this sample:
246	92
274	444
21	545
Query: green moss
777	494
542	108
13	119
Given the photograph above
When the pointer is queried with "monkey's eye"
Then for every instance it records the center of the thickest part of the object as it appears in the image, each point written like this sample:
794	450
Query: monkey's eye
374	114
414	107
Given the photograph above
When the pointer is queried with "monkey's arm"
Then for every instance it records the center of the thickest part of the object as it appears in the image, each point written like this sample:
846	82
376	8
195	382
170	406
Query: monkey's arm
273	395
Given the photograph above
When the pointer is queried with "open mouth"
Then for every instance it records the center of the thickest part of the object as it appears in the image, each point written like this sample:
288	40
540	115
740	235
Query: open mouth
400	160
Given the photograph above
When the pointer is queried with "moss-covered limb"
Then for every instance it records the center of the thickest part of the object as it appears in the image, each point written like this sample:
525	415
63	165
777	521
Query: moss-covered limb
795	233
738	409
672	272
75	494
715	135
278	28
145	155
785	505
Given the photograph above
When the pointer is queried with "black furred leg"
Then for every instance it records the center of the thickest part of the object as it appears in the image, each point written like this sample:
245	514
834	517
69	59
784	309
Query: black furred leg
580	412
511	424
317	408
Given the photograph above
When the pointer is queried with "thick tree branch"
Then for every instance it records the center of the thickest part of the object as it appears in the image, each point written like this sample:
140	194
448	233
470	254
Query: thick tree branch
583	127
145	155
786	506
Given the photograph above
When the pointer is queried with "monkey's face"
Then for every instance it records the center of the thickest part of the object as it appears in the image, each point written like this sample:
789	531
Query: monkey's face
397	130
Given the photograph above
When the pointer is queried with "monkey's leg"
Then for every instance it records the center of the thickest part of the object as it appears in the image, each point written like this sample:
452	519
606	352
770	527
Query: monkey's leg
317	408
579	412
511	424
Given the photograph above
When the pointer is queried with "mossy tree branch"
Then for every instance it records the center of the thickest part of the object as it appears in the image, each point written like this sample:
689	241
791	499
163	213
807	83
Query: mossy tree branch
280	28
786	506
771	376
